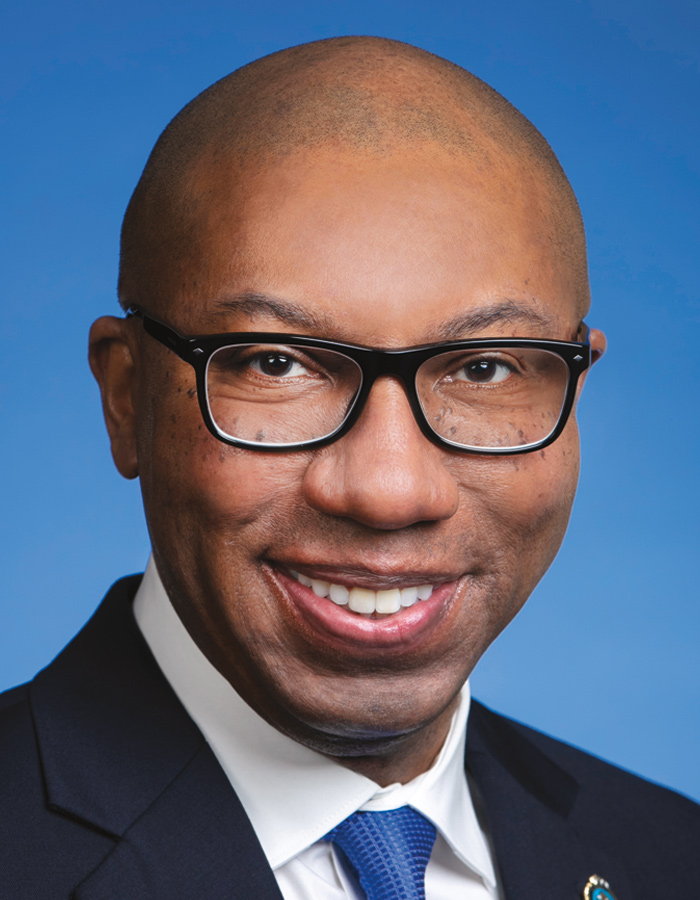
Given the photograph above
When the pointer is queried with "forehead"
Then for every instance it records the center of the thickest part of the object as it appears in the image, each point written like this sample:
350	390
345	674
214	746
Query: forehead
392	248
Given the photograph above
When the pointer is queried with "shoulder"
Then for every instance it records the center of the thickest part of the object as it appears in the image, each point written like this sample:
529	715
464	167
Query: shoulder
652	830
44	852
108	788
17	744
606	788
34	839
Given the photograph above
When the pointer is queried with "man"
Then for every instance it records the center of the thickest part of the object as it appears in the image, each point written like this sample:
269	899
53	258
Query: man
355	283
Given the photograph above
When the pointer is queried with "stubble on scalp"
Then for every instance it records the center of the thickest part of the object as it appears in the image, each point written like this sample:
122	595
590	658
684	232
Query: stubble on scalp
372	96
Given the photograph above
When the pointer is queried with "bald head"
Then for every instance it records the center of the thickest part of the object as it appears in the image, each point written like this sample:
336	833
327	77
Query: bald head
371	96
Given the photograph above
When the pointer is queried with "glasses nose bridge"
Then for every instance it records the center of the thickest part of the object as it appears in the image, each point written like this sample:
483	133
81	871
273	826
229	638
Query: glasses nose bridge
399	365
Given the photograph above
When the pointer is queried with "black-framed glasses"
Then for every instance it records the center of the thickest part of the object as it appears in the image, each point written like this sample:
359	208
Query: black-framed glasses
280	392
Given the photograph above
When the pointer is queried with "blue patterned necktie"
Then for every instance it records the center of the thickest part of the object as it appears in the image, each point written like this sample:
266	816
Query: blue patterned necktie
388	851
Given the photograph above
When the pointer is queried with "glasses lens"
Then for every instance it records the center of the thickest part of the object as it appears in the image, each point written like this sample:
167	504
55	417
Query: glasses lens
502	398
273	394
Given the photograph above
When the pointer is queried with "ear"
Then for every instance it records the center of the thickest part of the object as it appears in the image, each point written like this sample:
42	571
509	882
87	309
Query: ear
599	345
112	356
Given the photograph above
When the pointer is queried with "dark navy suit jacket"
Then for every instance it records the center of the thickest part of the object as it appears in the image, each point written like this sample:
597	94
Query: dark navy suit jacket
108	791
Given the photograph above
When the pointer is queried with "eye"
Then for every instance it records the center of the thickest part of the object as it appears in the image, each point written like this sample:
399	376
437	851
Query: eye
484	370
277	365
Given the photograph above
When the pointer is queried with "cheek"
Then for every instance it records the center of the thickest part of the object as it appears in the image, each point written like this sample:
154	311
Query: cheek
189	477
542	501
542	484
515	511
223	486
521	506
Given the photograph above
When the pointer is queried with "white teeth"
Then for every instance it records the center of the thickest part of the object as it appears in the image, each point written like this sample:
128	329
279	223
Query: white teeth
363	600
339	594
388	601
409	596
320	588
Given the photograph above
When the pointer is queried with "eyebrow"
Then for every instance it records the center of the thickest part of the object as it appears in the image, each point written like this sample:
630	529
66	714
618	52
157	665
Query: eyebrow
253	304
509	312
504	312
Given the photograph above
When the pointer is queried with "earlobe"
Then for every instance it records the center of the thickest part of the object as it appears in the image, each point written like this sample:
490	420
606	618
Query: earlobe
112	358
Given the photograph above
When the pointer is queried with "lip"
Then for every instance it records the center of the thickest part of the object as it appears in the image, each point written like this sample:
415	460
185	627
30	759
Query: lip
355	577
405	630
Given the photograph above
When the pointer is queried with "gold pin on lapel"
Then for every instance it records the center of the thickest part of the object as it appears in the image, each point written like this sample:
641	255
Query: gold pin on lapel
597	888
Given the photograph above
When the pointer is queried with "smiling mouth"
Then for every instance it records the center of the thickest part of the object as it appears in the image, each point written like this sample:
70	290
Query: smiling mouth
364	601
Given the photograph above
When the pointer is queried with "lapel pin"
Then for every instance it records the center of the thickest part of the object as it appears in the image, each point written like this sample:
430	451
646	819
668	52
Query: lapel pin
597	888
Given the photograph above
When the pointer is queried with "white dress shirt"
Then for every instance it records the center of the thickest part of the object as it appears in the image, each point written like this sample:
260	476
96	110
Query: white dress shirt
294	796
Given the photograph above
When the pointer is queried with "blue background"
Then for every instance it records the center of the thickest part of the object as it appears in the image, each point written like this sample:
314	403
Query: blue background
606	652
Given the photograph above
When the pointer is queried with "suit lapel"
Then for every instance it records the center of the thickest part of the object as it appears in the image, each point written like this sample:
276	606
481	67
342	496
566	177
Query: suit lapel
194	842
120	754
530	802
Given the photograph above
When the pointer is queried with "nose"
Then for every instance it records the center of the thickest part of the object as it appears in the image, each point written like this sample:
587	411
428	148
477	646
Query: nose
384	472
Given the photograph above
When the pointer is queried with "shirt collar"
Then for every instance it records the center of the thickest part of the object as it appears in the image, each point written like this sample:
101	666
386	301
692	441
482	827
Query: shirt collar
273	774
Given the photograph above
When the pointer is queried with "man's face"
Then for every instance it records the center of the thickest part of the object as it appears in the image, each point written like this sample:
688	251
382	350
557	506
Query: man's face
386	251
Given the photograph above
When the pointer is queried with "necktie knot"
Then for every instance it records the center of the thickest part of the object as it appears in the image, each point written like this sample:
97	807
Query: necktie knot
389	851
